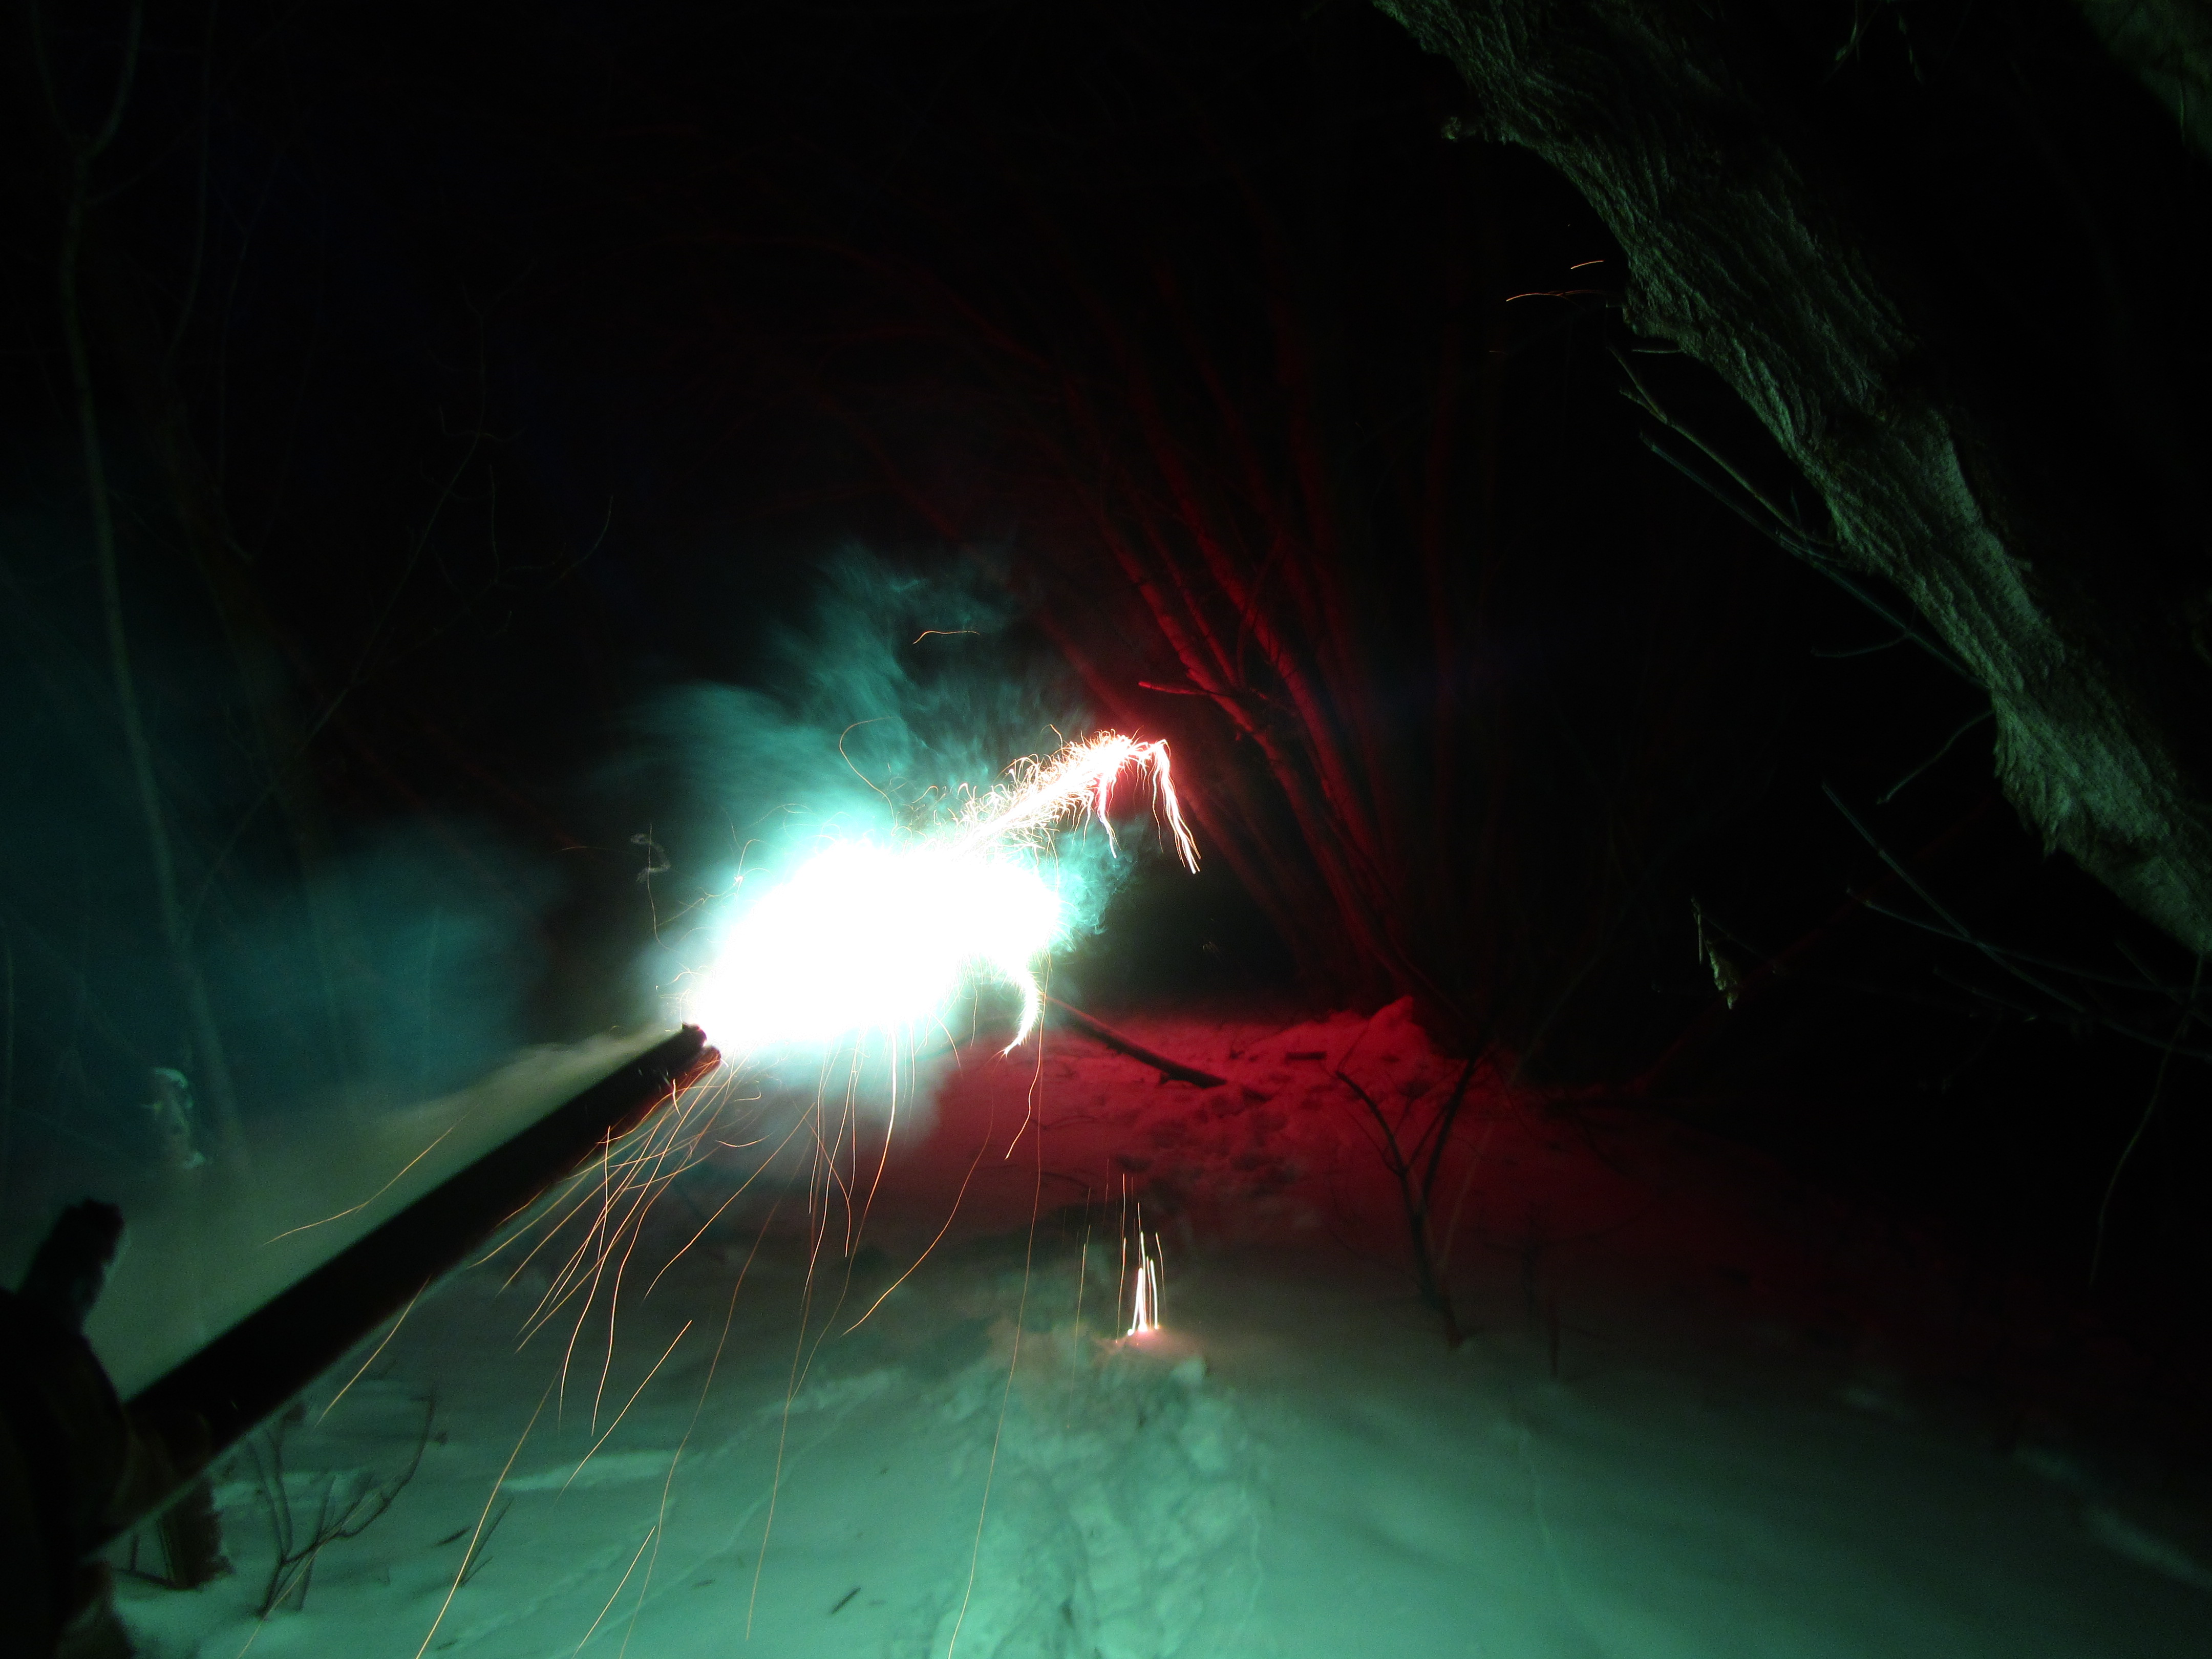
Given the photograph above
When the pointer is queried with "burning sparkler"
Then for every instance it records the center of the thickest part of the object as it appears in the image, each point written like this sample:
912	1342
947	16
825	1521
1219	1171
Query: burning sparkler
866	936
1144	1305
1144	1291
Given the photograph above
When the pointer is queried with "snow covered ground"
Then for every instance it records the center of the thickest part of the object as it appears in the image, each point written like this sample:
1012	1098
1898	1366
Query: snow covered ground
1681	1428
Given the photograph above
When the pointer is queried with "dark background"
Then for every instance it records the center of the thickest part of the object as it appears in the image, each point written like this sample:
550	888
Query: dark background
471	376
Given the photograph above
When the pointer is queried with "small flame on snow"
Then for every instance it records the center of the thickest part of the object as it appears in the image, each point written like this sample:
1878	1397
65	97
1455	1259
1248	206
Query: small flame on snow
1145	1307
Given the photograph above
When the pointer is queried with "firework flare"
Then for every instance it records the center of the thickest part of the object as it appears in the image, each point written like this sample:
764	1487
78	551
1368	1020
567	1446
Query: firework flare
884	936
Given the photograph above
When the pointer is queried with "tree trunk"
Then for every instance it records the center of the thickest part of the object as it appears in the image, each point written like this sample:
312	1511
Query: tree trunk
1931	246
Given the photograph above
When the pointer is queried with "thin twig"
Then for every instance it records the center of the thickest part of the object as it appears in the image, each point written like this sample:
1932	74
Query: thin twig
1415	1172
1929	899
2150	1109
473	1560
1641	396
1783	528
1890	644
2090	975
294	1568
1893	790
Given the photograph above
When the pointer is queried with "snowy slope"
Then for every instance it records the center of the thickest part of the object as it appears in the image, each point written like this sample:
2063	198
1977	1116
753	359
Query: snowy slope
1295	1466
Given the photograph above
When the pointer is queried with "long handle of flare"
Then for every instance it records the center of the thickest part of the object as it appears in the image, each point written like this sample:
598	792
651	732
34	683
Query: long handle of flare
250	1371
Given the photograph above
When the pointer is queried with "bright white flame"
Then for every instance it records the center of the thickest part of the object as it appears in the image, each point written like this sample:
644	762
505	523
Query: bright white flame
1145	1303
865	937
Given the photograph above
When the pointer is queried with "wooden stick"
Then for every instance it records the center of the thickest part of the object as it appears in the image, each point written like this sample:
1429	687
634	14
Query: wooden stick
1173	1070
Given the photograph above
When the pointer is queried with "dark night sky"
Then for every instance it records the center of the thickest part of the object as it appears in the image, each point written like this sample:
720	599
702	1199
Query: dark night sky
537	357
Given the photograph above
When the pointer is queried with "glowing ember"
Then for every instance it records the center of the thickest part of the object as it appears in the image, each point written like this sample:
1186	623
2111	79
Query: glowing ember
868	937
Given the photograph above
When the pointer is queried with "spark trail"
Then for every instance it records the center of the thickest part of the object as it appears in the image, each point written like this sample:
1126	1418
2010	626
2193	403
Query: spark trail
864	940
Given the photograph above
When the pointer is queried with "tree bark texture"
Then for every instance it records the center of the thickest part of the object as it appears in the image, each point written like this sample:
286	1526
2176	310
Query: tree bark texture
1945	253
2168	46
